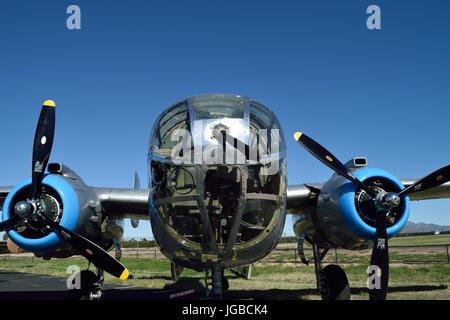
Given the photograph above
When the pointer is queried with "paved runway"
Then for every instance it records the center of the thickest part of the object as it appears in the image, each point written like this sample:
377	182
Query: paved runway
28	286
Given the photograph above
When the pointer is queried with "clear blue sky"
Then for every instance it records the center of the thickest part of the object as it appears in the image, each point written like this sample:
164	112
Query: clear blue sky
384	94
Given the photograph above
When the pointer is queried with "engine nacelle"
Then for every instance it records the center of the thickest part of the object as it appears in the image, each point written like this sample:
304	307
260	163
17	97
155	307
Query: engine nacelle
72	204
342	218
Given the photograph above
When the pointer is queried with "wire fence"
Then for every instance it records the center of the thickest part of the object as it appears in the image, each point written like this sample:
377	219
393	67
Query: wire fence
418	254
289	254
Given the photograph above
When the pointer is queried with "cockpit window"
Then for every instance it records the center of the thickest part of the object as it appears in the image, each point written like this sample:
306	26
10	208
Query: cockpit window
262	118
175	119
217	107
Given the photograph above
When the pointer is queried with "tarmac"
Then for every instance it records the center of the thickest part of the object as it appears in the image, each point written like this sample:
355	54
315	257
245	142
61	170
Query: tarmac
28	286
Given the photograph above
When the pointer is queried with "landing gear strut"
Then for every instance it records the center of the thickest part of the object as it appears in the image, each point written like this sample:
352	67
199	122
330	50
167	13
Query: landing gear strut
220	283
175	270
332	281
217	292
89	285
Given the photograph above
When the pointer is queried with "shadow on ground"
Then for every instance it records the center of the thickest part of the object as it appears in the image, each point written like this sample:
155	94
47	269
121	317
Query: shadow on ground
27	286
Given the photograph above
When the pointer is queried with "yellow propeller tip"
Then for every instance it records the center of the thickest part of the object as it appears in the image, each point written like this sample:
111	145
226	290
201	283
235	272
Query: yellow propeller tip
297	135
49	103
125	274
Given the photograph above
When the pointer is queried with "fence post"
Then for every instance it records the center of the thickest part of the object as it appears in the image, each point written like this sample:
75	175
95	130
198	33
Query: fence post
448	257
154	251
295	255
137	249
335	255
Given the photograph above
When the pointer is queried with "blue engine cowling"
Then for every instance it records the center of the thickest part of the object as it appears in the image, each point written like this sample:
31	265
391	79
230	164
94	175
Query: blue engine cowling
341	219
69	218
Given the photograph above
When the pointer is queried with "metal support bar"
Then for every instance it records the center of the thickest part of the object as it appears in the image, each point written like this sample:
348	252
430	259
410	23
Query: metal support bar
317	265
217	281
207	228
238	215
300	249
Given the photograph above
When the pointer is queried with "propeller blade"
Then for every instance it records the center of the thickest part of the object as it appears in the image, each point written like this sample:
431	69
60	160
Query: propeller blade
95	254
327	158
7	224
380	258
432	180
42	147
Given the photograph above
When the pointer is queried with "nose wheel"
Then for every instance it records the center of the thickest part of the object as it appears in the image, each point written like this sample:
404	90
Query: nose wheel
88	285
220	283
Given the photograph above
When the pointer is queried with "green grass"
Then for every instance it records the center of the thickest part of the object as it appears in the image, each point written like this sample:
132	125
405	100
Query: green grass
420	240
416	281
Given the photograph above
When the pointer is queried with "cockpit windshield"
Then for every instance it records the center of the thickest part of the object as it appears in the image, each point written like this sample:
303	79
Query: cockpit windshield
174	119
218	107
218	176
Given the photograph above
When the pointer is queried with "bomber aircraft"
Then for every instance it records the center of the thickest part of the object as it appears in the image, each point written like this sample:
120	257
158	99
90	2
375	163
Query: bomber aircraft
217	198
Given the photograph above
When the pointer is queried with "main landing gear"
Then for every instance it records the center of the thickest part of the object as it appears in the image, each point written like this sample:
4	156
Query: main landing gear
332	282
87	285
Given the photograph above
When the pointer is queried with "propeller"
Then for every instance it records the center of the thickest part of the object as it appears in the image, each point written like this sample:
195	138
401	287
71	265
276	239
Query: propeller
432	180
220	136
8	224
379	208
42	147
88	249
380	257
33	210
327	158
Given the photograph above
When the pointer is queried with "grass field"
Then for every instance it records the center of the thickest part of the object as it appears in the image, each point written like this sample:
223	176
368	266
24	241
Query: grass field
290	281
421	240
277	278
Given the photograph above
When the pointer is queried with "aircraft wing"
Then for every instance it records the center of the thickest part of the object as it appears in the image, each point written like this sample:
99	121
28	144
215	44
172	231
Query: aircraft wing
133	203
302	197
116	202
124	203
3	194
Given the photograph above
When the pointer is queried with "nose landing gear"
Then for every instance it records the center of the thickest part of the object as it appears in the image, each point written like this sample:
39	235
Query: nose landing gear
88	285
219	282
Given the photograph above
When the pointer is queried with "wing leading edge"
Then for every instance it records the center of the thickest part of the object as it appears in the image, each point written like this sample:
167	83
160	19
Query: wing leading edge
302	197
133	203
3	194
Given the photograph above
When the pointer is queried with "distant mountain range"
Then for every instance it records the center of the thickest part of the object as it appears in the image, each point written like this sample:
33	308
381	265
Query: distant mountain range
412	227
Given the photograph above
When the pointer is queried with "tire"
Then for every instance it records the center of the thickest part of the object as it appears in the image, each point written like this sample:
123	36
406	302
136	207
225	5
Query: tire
87	280
335	283
225	284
